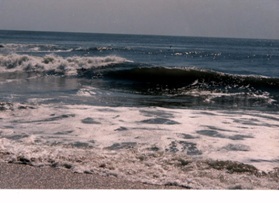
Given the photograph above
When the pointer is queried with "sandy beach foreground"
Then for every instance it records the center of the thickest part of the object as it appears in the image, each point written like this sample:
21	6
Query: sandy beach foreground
18	176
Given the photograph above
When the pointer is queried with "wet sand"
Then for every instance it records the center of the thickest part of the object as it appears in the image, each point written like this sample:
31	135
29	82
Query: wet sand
18	176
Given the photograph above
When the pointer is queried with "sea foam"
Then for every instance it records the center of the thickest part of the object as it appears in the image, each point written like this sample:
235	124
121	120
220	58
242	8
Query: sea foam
53	64
190	148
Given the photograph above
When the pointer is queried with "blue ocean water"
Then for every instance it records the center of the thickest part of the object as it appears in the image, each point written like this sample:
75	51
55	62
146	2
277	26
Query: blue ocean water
139	70
193	112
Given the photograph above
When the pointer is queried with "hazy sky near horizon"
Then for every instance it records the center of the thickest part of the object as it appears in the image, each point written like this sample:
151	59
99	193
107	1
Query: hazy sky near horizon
213	18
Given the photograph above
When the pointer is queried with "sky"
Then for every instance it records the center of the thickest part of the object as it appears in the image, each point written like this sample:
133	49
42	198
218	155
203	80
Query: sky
208	18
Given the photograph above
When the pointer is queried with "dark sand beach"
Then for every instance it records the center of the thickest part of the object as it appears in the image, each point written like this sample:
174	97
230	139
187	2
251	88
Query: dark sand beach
18	176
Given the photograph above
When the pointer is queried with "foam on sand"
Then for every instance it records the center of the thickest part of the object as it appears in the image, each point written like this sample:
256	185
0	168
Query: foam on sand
154	145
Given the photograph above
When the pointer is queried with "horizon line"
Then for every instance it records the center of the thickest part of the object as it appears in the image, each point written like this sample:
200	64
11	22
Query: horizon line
139	34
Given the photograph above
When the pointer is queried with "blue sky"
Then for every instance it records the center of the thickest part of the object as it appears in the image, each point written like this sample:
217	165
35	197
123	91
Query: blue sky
213	18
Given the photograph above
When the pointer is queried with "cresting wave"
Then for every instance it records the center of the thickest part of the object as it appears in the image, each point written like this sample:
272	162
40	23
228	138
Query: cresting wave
115	67
186	82
141	77
186	76
53	64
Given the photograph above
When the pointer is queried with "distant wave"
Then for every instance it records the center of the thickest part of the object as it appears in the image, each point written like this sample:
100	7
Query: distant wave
33	48
51	48
90	49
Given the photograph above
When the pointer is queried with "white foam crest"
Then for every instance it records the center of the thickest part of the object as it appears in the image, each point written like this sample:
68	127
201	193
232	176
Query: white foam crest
211	95
18	48
26	47
54	63
87	91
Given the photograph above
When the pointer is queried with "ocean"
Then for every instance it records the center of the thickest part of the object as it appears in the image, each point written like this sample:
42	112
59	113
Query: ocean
195	112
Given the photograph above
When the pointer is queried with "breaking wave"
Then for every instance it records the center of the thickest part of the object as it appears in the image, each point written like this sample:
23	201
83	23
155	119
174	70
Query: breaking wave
184	81
118	68
125	75
53	64
186	76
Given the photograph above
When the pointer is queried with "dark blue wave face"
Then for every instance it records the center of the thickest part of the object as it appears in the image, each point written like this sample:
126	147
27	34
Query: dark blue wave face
179	70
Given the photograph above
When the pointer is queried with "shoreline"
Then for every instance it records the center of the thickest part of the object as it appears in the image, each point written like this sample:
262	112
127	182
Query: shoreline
19	176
